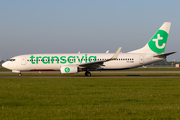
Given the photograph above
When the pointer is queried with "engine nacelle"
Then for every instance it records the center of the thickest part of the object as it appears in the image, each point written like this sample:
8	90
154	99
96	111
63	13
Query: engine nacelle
68	69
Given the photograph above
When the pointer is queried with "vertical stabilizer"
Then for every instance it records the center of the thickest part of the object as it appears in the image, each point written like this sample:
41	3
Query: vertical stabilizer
157	43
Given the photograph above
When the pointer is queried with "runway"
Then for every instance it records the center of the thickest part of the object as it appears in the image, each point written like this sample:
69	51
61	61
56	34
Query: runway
95	76
89	77
48	72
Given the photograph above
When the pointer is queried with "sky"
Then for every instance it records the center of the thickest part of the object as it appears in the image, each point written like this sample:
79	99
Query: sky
88	26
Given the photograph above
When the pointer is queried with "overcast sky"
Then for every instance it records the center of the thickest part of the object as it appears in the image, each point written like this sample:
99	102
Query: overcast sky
70	26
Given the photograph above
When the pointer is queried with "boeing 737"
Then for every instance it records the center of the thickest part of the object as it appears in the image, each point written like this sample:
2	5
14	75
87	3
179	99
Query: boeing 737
152	52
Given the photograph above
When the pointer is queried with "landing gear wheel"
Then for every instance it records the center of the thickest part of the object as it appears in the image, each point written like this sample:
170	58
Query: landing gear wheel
19	74
87	73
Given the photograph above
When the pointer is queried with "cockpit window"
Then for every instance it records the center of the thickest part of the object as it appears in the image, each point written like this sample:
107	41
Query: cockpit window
12	59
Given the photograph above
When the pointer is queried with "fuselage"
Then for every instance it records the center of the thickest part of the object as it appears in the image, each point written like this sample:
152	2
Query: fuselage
53	62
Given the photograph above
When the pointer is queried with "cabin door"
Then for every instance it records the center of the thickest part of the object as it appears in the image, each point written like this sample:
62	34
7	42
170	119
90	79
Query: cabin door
23	60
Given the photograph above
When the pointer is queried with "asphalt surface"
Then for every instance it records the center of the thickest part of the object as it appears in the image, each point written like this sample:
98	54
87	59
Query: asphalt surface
127	76
90	77
102	72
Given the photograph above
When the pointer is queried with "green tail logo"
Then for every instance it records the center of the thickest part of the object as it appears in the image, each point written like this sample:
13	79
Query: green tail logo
158	42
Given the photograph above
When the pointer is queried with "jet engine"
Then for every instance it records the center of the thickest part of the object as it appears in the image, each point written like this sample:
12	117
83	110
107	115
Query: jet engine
68	69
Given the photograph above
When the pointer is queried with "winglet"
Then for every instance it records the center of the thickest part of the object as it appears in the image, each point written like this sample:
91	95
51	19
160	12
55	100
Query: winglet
116	54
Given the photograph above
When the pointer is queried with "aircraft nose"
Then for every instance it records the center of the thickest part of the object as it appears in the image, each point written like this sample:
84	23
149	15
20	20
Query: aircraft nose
5	64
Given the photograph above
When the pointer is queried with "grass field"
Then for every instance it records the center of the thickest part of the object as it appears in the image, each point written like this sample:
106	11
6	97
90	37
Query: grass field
3	69
90	98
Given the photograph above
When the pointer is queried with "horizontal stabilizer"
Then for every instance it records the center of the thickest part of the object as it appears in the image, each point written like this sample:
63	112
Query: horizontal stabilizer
164	55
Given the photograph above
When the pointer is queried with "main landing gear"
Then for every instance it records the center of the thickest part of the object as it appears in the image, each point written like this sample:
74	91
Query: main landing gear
87	73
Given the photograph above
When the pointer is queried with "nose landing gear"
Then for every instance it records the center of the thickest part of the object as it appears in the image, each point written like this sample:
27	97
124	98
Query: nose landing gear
19	74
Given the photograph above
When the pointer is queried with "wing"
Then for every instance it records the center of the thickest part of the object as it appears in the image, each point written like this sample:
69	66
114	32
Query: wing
96	64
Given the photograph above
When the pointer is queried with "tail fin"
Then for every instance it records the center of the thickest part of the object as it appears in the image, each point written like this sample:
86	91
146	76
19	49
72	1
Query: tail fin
157	43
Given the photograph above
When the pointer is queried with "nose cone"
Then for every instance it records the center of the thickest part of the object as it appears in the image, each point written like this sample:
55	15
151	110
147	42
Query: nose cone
5	64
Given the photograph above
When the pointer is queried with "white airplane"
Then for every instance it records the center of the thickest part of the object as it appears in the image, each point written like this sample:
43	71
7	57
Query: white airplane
152	52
